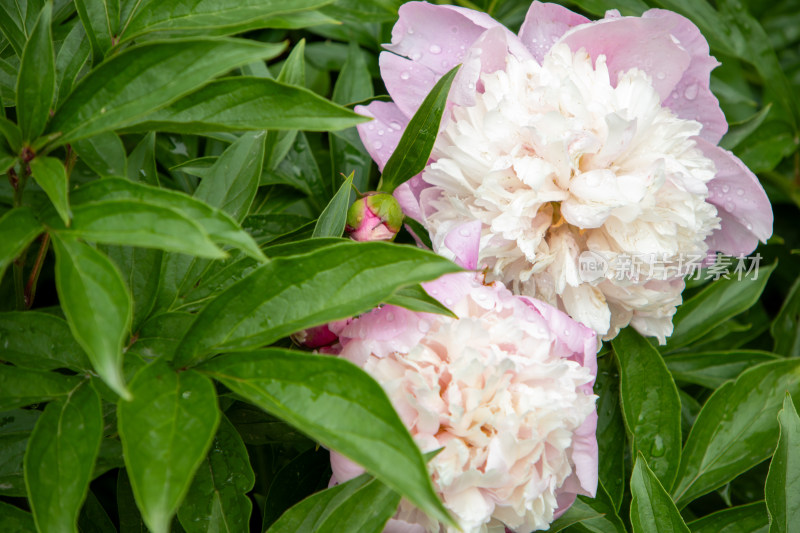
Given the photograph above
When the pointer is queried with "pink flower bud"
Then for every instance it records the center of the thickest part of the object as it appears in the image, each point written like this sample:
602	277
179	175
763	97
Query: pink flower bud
374	217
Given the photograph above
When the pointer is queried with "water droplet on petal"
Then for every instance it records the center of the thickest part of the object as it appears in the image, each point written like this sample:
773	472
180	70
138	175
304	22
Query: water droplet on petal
415	56
370	127
377	145
435	49
729	207
471	85
749	227
404	75
464	232
423	326
661	75
395	125
410	31
380	132
740	191
448	301
725	188
691	92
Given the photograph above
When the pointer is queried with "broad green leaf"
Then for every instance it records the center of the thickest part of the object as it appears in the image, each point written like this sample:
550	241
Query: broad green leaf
101	20
36	82
740	131
20	387
750	518
415	298
40	341
232	181
142	161
15	519
97	306
712	369
785	328
362	504
650	403
143	78
71	57
715	304
12	134
289	294
736	429
611	436
595	515
293	72
652	509
340	406
134	223
103	153
217	224
166	431
414	149
18	227
332	221
267	228
217	499
60	458
51	176
15	430
599	7
246	103
140	268
211	18
783	482
160	335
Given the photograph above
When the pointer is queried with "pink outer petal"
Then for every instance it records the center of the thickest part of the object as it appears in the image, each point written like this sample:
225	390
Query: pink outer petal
400	526
407	81
407	195
451	288
343	468
464	241
544	25
383	331
585	454
633	42
381	135
691	98
743	206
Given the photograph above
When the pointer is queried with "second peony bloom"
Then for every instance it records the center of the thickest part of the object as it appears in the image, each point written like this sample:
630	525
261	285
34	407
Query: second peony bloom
573	137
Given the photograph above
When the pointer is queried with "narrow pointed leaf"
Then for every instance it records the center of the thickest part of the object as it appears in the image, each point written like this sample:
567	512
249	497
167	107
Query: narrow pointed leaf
332	221
785	328
650	403
166	431
783	482
14	434
40	341
15	519
750	518
101	20
246	104
217	499
414	149
292	293
18	227
36	82
142	161
736	428
97	306
611	436
337	404
143	78
20	387
652	509
51	176
712	369
415	298
73	54
293	72
60	458
104	153
597	515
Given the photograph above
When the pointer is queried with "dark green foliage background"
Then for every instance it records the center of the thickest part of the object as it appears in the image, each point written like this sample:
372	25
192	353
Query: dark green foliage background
172	199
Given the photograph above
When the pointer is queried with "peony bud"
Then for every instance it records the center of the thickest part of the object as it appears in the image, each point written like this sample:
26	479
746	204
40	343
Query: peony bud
374	217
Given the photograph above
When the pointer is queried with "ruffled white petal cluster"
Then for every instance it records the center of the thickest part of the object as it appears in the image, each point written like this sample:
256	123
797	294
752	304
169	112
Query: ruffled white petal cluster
555	161
496	390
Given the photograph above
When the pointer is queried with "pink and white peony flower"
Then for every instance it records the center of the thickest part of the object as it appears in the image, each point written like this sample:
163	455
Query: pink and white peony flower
574	136
505	391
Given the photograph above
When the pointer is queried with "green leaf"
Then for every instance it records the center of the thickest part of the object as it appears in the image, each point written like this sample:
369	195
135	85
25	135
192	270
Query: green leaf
142	78
611	436
20	387
12	134
266	228
70	59
51	176
140	268
166	431
142	161
712	369
217	224
736	429
414	148
714	305
232	181
103	153
217	499
211	18
15	519
595	515
340	406
783	481
299	169
93	517
40	341
60	458
289	294
297	479
362	504
650	403
130	519
259	104
101	20
97	306
293	72
18	227
652	509
15	429
415	298
739	131
785	328
133	223
334	217
36	83
750	518
625	7
17	19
